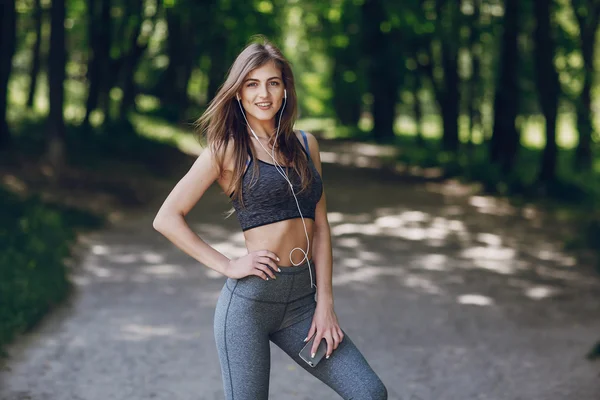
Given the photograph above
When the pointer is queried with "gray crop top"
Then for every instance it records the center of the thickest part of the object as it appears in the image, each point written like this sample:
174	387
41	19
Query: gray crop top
268	199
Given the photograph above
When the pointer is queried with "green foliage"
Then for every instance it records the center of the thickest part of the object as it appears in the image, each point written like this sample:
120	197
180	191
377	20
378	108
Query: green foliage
34	241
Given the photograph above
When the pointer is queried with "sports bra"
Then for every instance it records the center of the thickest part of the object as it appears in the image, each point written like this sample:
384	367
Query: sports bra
268	198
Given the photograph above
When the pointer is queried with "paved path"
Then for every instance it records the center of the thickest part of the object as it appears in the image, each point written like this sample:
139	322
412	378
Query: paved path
448	297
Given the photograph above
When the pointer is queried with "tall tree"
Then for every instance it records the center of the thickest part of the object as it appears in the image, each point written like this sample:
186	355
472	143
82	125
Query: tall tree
56	77
136	45
36	56
347	70
474	85
99	29
7	48
448	26
381	49
587	13
547	83
505	137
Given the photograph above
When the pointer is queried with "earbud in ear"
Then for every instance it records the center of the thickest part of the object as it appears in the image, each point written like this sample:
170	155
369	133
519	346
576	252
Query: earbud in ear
284	93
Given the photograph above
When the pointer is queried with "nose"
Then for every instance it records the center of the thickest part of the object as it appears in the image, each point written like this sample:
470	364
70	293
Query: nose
263	93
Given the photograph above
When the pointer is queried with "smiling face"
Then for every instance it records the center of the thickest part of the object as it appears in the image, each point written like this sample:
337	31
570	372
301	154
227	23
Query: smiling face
262	93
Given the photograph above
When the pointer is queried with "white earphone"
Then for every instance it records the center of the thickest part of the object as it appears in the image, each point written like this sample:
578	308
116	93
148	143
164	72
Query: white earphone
281	171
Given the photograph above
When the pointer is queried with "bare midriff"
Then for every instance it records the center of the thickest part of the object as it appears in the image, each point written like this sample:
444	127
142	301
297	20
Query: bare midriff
281	238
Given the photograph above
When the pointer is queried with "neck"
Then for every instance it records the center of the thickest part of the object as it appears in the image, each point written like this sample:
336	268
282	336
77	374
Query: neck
263	129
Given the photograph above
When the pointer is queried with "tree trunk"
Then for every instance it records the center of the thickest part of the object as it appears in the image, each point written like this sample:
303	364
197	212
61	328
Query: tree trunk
505	136
99	59
216	72
181	47
7	49
449	93
418	109
56	77
588	18
383	54
131	61
35	64
474	88
547	85
347	81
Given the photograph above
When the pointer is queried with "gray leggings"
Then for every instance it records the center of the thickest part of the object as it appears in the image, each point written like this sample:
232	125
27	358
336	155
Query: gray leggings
251	311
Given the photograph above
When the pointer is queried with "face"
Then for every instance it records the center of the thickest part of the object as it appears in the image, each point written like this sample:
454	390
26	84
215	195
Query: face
262	92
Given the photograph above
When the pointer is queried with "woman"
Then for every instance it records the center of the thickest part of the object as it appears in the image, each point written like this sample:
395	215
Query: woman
257	158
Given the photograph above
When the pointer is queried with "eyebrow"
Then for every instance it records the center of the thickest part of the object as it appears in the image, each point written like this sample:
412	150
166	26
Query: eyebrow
254	79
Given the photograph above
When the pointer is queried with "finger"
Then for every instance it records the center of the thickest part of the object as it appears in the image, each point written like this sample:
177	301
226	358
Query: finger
266	270
270	254
336	339
315	345
311	332
260	273
329	340
269	261
340	334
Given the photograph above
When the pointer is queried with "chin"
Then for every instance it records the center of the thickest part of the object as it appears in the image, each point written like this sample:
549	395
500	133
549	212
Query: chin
264	115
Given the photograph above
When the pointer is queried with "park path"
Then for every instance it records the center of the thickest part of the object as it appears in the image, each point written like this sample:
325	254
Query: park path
450	297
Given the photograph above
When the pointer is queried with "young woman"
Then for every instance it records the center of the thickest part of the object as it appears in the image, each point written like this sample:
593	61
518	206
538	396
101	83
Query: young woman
281	290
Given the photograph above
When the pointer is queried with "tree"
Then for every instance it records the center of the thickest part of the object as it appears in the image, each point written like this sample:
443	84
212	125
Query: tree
587	13
547	84
7	48
99	28
381	50
56	77
35	65
505	137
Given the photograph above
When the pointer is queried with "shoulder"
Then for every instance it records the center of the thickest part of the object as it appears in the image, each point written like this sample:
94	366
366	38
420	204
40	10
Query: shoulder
313	144
226	154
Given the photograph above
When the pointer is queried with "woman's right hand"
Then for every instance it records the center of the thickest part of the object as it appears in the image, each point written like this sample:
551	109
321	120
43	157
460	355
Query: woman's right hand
254	263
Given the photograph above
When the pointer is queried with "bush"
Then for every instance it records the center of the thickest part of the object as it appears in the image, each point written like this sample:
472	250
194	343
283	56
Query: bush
34	242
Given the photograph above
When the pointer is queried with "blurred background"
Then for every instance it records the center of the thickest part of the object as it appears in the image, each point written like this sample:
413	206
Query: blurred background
98	100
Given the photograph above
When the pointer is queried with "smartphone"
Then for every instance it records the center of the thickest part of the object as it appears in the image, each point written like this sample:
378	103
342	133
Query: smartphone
320	353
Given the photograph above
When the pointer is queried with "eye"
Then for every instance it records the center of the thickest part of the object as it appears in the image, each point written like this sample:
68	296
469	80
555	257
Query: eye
251	84
274	83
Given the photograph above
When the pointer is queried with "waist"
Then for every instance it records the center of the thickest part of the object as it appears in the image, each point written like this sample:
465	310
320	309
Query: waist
292	284
282	238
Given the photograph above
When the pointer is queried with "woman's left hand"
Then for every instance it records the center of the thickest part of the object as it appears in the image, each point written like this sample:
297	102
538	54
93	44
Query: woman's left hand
325	325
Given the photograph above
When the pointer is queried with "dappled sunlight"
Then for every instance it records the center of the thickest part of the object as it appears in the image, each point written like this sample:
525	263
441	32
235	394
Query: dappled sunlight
422	284
497	266
491	205
164	270
364	274
475	300
432	262
540	292
436	252
491	258
136	332
362	155
350	242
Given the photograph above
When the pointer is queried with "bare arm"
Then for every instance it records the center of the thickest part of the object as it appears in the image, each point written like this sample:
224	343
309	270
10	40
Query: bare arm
170	219
325	323
322	253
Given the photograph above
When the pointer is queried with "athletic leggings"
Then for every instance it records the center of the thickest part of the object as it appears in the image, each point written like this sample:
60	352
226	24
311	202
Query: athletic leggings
251	311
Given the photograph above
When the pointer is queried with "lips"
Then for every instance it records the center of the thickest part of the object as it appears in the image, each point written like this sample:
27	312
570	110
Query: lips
264	105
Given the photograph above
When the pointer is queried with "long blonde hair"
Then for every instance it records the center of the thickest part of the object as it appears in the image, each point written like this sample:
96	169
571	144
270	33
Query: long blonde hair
223	120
